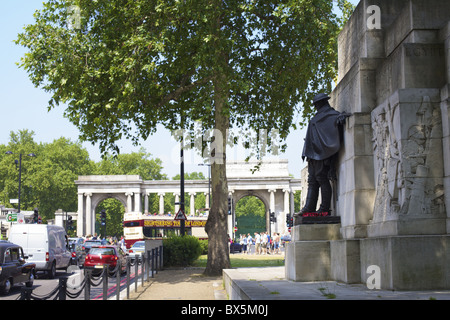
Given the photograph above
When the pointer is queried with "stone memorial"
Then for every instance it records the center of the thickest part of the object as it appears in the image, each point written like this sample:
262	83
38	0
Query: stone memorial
393	172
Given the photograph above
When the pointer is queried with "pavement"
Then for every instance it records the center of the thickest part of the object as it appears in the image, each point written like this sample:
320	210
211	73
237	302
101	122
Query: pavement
263	283
269	283
180	284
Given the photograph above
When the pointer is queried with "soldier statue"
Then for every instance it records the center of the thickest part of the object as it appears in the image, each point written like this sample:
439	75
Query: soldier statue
322	143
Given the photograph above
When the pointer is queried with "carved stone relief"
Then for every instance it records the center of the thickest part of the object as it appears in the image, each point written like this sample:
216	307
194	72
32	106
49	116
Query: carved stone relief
408	162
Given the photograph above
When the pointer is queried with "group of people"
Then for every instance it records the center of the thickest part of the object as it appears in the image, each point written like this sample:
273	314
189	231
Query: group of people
263	243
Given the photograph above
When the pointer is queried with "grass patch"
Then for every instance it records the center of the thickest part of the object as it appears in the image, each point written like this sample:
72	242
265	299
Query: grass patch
246	261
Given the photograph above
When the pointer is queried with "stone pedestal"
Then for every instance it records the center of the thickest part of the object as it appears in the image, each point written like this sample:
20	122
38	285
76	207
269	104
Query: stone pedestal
408	262
345	261
308	256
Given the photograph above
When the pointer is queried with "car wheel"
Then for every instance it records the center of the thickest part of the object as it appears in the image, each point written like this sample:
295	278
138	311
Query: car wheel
6	287
52	271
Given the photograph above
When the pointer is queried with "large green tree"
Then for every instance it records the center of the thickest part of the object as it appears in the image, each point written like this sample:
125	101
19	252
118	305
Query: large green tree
123	66
47	179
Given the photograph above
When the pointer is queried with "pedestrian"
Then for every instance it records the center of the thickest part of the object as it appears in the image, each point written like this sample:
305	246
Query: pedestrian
257	243
276	243
244	243
249	243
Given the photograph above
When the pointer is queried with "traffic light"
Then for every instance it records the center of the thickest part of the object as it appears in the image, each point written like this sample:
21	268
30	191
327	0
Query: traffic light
36	215
103	218
69	223
289	221
272	217
230	205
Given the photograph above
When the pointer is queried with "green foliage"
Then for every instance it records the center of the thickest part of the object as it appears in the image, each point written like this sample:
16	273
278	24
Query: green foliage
181	251
204	246
250	215
48	179
132	64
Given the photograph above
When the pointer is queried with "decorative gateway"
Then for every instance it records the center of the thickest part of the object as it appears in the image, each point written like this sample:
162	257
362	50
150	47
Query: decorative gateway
138	227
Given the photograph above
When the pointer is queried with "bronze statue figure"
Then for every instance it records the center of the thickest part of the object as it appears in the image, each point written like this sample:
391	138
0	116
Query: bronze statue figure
322	144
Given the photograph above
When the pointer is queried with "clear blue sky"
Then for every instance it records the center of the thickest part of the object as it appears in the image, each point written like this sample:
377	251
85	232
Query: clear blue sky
25	107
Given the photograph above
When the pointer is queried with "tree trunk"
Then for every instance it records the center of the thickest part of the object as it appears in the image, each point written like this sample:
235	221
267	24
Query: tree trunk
216	226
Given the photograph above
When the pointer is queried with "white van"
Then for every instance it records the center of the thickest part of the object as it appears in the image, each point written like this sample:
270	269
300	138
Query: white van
45	245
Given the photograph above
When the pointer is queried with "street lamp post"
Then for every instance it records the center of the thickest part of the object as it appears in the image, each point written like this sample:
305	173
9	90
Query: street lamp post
20	171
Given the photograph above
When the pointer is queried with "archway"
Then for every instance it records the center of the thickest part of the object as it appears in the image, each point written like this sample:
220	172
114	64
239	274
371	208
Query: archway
250	215
114	210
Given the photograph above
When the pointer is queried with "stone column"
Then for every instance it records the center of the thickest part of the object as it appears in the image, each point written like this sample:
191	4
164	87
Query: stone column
271	206
161	202
207	199
282	222
192	203
177	200
80	217
146	202
89	218
129	202
137	202
272	200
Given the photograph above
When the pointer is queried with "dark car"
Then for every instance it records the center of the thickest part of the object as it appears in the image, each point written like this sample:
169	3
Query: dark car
13	267
235	247
78	251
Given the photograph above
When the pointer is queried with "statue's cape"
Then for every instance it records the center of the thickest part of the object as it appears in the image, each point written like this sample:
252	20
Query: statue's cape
323	137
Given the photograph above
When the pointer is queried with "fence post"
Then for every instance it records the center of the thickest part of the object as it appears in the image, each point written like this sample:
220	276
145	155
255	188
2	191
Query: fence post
62	288
118	273
25	294
128	277
160	257
147	267
136	272
105	282
87	286
157	254
153	262
143	269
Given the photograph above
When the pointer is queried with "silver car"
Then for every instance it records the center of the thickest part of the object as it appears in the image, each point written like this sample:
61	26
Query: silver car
137	250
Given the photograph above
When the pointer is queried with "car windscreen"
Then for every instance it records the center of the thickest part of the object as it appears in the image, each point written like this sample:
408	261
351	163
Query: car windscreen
138	245
102	251
92	243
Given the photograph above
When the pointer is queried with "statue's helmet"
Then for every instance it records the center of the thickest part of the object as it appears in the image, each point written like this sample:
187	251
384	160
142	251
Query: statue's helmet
321	96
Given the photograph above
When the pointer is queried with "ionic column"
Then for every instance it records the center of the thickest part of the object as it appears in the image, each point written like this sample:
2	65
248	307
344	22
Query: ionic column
207	199
177	200
129	201
192	203
287	198
88	213
80	217
272	200
146	202
161	202
137	202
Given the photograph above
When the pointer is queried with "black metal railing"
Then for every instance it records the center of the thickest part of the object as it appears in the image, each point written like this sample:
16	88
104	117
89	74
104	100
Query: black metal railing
148	263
